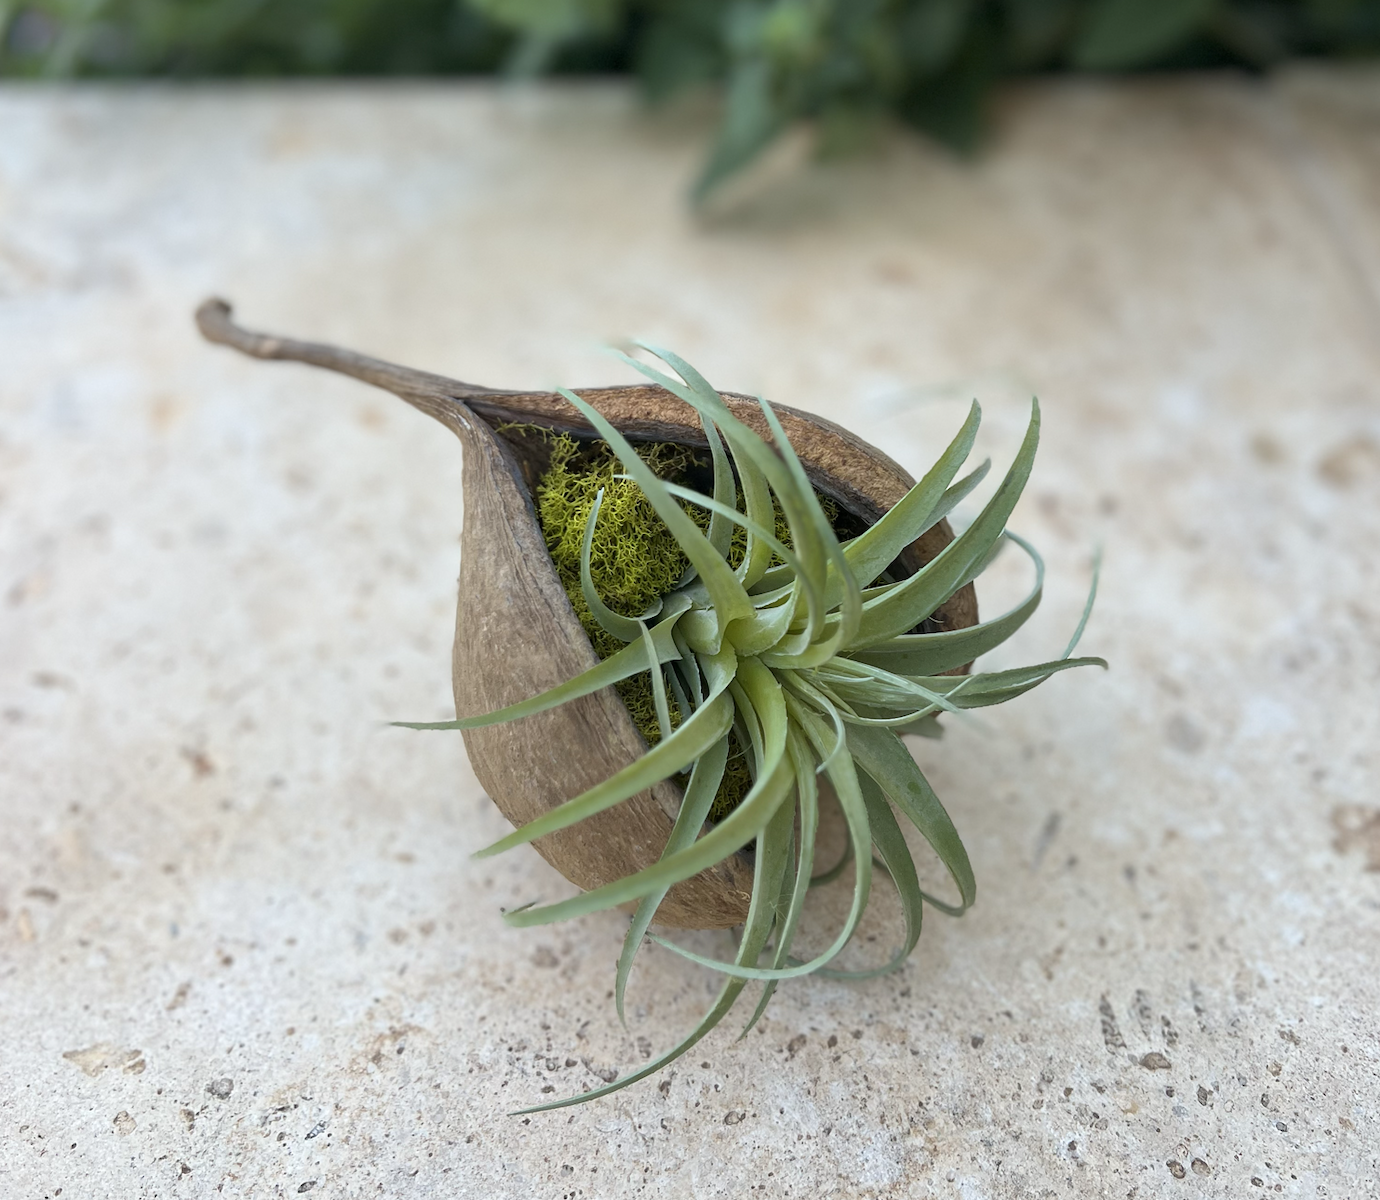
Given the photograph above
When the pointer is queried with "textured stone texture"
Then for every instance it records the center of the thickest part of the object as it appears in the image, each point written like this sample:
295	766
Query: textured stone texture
243	950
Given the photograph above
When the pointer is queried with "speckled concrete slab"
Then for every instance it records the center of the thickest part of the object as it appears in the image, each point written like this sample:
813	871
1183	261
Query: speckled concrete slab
245	952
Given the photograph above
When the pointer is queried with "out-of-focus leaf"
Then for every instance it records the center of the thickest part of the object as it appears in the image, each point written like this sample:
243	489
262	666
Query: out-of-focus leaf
1127	33
1253	32
752	119
789	33
1036	30
552	19
250	37
950	105
931	31
680	47
842	64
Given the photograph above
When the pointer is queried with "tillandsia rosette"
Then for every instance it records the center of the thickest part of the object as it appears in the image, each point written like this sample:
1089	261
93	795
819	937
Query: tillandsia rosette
681	613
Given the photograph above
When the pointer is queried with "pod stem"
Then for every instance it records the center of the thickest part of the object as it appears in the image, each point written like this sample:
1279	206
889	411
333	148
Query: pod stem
435	395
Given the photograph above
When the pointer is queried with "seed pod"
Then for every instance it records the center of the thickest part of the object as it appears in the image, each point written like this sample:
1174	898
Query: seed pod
516	634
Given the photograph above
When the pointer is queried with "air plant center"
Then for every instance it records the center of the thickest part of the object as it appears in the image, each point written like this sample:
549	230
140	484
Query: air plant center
635	561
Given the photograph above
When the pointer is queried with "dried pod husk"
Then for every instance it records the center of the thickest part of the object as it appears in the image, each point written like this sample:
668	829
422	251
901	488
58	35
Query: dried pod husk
516	634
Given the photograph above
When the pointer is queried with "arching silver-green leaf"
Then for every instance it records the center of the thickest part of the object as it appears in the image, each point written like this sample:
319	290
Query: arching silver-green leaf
807	798
727	837
871	552
997	687
895	855
883	756
725	491
627	662
694	810
914	599
755	934
663	709
956	494
772	787
1087	606
731	515
862	683
747	444
844	778
667	758
935	653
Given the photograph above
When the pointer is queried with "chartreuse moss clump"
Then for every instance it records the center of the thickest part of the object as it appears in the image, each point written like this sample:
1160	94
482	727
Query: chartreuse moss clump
633	558
800	650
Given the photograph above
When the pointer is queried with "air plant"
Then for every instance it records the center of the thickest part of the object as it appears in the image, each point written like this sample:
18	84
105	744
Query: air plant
811	652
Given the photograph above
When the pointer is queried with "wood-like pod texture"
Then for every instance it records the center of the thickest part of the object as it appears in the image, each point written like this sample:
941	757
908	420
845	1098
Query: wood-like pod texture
516	633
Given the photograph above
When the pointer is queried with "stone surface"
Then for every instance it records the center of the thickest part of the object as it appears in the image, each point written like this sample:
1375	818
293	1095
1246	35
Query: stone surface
243	950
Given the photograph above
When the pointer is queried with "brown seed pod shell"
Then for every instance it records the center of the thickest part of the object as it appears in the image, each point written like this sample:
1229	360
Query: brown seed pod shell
516	633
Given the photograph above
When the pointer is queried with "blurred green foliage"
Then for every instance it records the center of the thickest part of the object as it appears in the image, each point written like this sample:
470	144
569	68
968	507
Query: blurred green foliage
843	65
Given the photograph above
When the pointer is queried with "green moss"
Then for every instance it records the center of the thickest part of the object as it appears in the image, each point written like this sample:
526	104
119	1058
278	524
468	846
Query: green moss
633	559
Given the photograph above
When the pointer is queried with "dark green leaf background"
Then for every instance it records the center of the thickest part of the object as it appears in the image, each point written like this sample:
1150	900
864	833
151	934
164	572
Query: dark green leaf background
842	65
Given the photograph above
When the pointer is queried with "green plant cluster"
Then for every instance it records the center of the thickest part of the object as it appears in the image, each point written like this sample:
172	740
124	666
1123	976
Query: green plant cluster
842	65
808	654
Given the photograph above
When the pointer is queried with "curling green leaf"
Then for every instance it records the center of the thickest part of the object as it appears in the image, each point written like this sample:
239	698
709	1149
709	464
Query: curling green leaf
625	629
727	837
845	780
663	710
997	687
1087	606
772	787
862	683
747	444
725	491
755	934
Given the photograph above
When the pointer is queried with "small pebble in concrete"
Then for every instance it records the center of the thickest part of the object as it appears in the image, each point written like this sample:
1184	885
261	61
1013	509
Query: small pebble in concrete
221	1088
